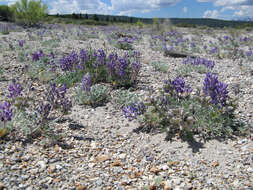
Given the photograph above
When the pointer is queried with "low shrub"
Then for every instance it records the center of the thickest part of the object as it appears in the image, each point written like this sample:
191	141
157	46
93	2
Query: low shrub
209	113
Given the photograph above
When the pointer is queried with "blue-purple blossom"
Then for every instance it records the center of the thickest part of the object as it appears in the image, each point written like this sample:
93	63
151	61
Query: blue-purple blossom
20	43
44	110
15	90
132	111
84	56
215	89
86	82
249	53
212	51
69	62
37	55
199	61
5	111
179	85
51	55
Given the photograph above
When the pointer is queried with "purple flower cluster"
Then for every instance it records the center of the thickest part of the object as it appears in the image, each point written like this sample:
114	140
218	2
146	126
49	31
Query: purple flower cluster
20	43
249	53
100	58
84	56
15	90
132	111
214	50
215	89
179	85
70	62
56	97
86	82
37	55
5	111
199	61
44	110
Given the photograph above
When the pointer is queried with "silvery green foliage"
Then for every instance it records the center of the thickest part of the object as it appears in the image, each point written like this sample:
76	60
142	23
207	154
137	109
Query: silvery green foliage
97	96
123	98
160	66
1	73
186	70
52	43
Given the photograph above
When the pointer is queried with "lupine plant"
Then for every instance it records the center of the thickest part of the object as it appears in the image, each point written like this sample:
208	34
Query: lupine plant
177	111
215	89
5	117
120	71
200	65
93	95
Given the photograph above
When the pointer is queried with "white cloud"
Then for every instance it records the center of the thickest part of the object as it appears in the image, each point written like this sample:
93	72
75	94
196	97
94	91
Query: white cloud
131	6
185	9
122	7
211	14
78	6
241	8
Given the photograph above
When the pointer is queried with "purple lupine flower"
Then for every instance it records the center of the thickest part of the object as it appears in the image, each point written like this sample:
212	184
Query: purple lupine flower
44	110
15	89
52	55
52	66
249	53
66	105
69	62
61	91
86	82
84	56
212	51
132	111
123	63
199	61
101	57
215	89
179	85
5	111
20	43
226	37
35	56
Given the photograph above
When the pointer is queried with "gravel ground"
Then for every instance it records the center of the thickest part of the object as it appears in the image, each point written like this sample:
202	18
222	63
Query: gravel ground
102	151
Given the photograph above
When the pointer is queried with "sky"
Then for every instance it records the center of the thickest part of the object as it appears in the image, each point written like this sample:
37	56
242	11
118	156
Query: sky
220	9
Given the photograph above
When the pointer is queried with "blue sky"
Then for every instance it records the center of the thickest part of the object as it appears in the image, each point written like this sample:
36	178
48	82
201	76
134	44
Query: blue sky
222	9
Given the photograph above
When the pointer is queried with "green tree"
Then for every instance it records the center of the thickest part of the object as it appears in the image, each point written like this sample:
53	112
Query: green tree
29	12
95	17
5	13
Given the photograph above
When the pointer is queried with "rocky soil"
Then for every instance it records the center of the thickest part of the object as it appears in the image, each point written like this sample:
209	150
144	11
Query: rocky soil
101	149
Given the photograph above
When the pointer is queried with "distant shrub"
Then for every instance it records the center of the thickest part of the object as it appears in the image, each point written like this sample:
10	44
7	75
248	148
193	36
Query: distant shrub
186	25
140	24
29	12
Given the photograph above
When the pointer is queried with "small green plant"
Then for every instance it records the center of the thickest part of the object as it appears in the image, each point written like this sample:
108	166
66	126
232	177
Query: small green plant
160	66
123	98
1	73
186	70
70	78
98	95
52	43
